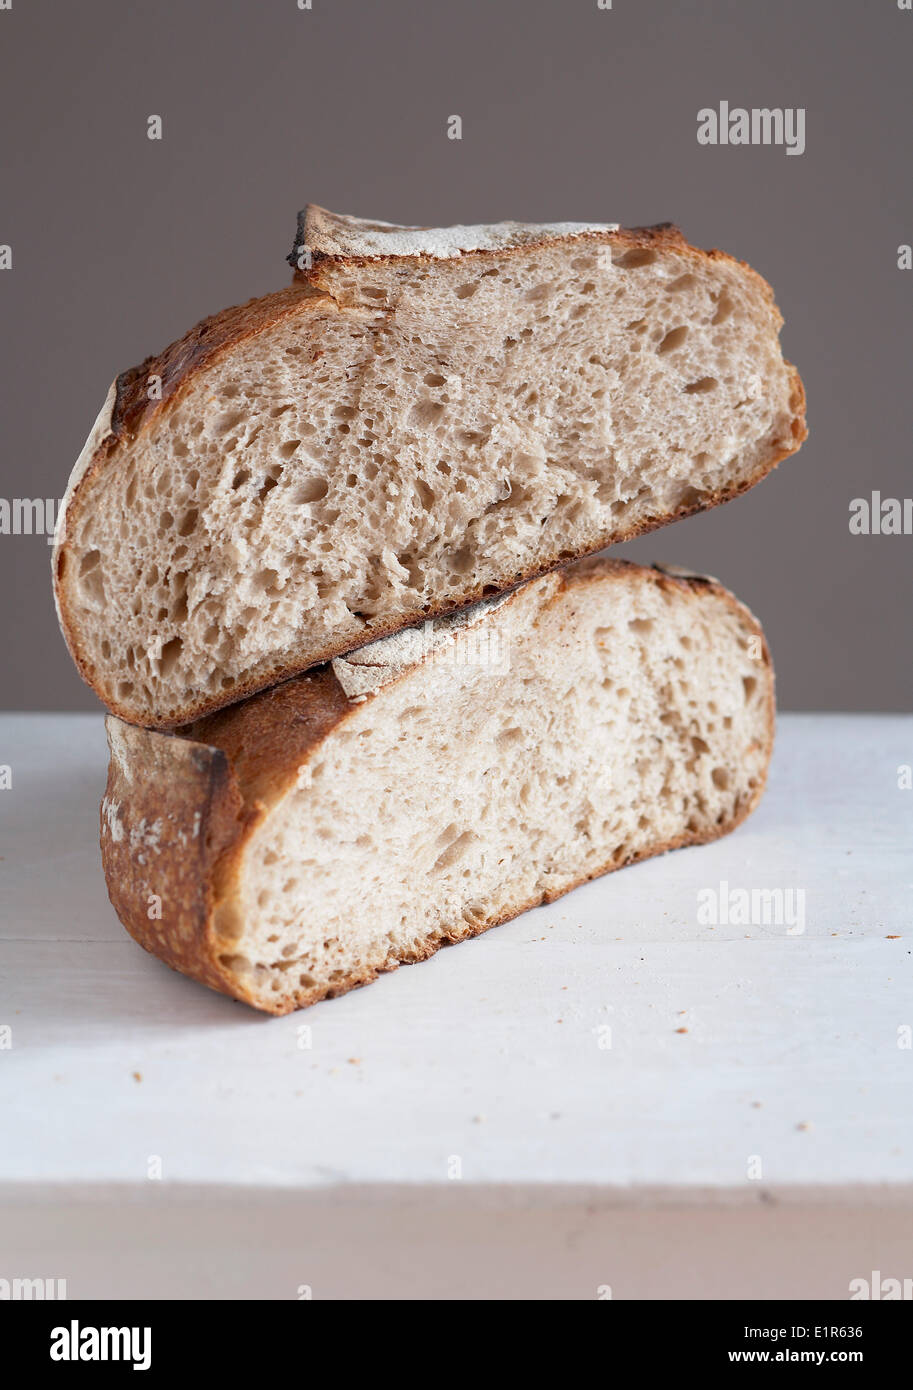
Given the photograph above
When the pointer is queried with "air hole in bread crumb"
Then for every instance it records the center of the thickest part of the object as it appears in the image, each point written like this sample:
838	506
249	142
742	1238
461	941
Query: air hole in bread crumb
455	851
465	291
269	482
170	656
724	308
425	494
227	421
93	584
683	282
749	683
673	339
691	497
462	560
310	490
634	259
720	778
699	387
426	413
641	624
266	580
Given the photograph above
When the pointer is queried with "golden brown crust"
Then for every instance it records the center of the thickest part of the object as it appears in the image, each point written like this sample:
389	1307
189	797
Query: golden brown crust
132	411
222	773
178	811
202	345
267	738
311	291
171	811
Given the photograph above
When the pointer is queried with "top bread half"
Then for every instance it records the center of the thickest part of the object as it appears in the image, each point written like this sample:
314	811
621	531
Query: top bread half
423	418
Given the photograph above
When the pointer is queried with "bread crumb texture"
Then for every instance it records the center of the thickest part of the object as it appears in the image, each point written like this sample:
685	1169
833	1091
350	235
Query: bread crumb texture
634	714
397	437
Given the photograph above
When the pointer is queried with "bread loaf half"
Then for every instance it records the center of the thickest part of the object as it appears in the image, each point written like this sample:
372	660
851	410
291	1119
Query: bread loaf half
435	783
422	419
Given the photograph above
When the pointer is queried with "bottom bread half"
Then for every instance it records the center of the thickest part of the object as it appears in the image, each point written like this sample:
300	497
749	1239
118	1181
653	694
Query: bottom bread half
436	783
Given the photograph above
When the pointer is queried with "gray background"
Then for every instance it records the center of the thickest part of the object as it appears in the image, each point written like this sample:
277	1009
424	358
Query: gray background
569	112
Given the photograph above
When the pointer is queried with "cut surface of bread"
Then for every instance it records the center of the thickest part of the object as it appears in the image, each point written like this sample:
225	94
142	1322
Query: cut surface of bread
423	418
438	782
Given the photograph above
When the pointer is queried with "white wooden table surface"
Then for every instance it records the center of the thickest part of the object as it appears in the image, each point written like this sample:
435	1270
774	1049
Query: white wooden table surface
461	1127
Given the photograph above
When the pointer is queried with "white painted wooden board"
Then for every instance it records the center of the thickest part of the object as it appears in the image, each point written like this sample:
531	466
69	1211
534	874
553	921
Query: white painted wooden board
331	1167
490	1052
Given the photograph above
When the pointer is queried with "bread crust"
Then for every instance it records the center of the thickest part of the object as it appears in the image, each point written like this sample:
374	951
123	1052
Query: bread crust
129	412
171	811
225	772
355	240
